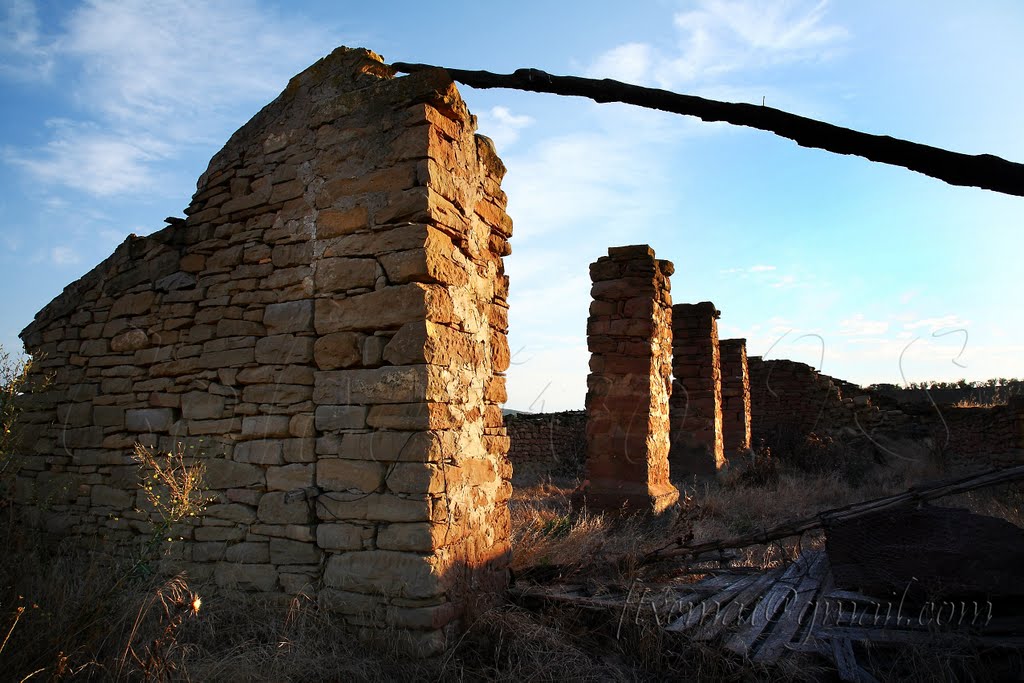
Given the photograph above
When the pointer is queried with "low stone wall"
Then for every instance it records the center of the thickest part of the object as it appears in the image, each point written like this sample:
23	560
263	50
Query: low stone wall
789	400
546	445
971	438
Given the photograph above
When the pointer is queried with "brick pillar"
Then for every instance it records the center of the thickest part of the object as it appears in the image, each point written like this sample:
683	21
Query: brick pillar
697	391
735	395
629	336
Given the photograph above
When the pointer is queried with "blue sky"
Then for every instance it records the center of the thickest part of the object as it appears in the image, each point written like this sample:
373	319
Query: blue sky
112	109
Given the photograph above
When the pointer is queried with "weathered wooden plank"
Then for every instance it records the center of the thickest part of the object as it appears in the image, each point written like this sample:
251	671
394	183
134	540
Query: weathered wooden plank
742	641
789	620
845	660
876	614
711	605
738	608
717	582
904	637
848	595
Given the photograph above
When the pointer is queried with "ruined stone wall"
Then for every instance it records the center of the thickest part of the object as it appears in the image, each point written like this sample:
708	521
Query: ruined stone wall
735	396
789	400
697	447
973	438
629	334
331	316
546	445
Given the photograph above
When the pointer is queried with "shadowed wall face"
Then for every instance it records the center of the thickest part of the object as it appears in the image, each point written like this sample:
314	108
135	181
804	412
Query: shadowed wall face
735	396
629	333
697	447
326	332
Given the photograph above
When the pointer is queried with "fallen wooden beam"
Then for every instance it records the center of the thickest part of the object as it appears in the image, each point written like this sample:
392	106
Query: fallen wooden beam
986	171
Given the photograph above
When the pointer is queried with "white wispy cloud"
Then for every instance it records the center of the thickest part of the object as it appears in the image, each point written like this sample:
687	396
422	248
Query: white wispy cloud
156	76
502	126
765	275
859	326
25	54
938	324
87	157
909	295
64	255
748	270
592	181
629	63
720	37
784	282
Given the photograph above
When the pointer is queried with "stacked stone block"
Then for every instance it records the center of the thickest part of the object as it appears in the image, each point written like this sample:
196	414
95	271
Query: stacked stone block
696	406
629	333
735	396
327	332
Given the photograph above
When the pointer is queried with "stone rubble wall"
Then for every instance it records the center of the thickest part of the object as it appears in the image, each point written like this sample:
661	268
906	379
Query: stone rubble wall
546	445
972	438
696	403
735	396
789	400
331	314
629	334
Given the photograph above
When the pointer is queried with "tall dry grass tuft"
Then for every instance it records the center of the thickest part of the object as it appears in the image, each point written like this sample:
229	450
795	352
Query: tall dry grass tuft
157	657
549	538
92	614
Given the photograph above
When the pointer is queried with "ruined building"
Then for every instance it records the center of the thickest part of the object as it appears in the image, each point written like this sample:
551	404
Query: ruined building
326	333
326	330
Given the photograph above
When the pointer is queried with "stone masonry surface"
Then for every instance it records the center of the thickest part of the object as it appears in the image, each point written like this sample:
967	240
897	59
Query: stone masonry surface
697	447
735	396
546	444
331	314
629	334
790	400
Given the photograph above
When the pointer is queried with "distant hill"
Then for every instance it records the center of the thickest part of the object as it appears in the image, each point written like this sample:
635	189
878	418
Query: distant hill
509	411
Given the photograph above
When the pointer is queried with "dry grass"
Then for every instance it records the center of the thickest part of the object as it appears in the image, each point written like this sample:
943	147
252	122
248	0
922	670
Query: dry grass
75	615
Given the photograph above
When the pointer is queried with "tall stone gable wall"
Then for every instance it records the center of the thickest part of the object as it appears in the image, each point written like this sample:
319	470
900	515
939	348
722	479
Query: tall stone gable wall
329	322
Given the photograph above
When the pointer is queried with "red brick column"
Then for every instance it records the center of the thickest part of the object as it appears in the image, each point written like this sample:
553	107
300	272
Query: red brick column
629	336
697	391
735	395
